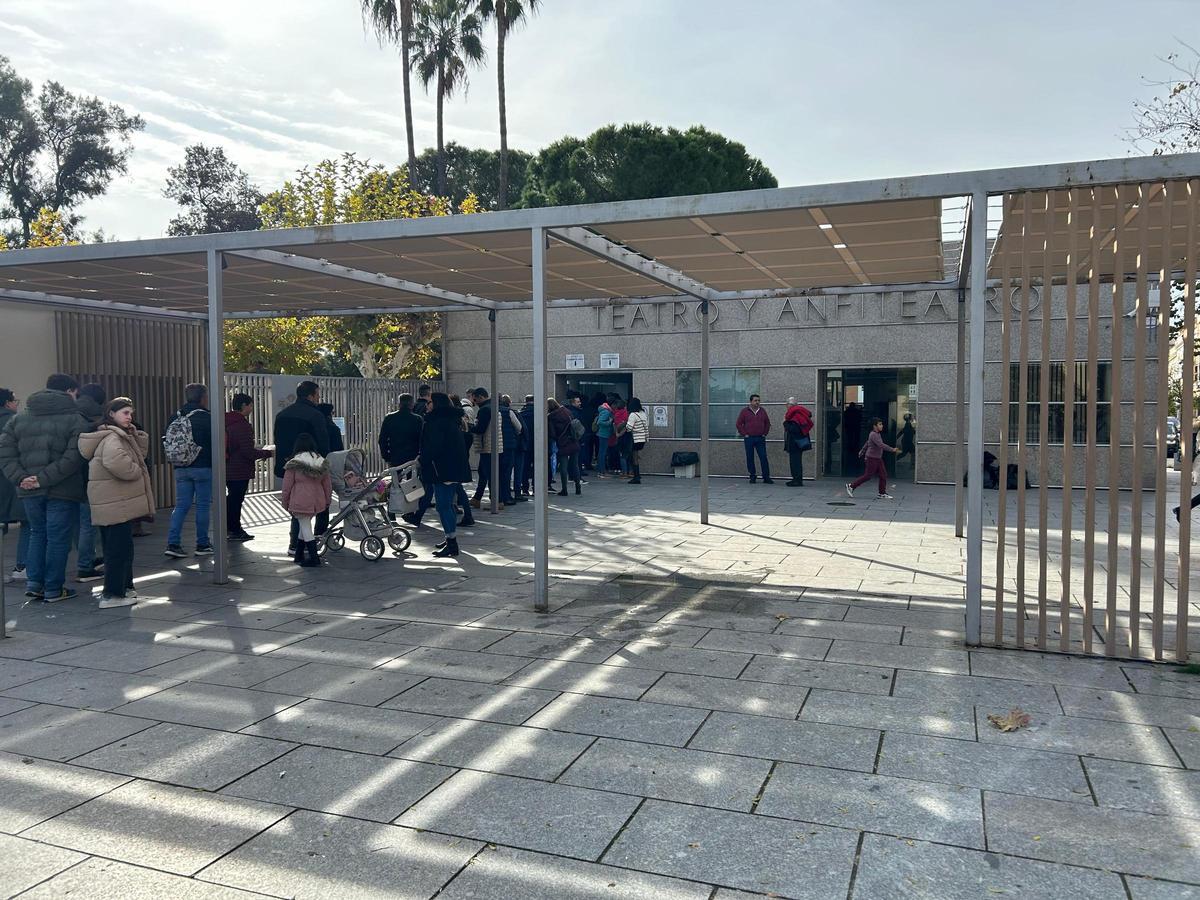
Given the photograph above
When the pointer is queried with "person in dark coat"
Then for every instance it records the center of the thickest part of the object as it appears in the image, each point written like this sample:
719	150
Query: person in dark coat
562	434
88	562
336	442
444	461
193	482
12	510
511	430
400	443
39	455
302	417
421	407
241	455
523	467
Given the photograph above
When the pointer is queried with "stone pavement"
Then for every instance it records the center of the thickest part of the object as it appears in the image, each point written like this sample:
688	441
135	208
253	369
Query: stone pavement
778	704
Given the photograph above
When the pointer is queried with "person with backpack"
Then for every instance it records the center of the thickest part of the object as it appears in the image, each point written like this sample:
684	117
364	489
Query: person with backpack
638	428
872	452
12	509
562	434
307	492
119	494
39	455
187	445
241	457
301	417
797	424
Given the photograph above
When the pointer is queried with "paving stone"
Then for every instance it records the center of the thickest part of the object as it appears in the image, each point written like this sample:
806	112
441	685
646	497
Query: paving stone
999	694
1152	789
626	629
1085	737
861	679
584	678
175	829
505	874
343	726
941	717
1187	745
1046	668
909	618
52	732
231	640
670	773
312	855
492	747
899	806
341	783
241	616
1112	839
532	815
365	686
1152	889
737	850
1162	681
1057	776
781	739
361	628
215	667
32	791
556	646
27	863
87	689
210	706
947	662
472	700
734	695
119	656
846	631
543	623
11	705
103	879
665	658
185	755
1119	706
340	651
450	637
470	666
17	672
783	645
631	720
915	870
434	612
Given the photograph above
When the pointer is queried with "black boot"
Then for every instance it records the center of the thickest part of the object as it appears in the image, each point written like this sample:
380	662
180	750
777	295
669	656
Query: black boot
467	520
637	475
451	548
314	557
578	488
297	553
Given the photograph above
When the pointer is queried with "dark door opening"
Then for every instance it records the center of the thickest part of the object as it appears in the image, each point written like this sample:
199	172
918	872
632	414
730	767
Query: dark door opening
588	384
850	399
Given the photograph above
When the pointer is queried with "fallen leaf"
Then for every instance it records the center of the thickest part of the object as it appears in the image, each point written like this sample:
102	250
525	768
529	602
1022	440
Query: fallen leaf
782	617
693	845
1037	837
1016	718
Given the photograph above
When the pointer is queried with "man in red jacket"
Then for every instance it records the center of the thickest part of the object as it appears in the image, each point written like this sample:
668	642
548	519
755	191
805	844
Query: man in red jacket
753	424
240	457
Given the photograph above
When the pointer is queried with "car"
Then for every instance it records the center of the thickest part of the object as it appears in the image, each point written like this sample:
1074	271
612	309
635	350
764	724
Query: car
1172	436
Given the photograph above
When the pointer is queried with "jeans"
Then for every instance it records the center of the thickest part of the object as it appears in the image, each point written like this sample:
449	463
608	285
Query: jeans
444	495
118	558
517	475
233	511
85	540
23	546
192	485
875	468
757	444
51	523
506	470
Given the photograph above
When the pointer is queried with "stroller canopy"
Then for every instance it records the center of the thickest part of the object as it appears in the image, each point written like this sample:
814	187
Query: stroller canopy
344	463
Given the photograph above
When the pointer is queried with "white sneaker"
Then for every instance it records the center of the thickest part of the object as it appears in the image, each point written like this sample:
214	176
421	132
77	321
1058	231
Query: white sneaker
884	497
17	573
114	602
850	489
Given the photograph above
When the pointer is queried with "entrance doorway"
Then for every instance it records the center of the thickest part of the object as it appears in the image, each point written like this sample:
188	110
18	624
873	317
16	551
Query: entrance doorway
850	399
588	384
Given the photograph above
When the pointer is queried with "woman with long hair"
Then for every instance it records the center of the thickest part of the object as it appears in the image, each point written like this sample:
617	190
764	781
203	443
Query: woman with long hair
637	426
445	464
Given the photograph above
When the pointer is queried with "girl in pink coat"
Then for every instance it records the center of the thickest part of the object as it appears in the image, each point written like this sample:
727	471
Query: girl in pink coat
307	491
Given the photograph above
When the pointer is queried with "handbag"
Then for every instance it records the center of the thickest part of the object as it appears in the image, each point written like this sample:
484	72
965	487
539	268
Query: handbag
803	443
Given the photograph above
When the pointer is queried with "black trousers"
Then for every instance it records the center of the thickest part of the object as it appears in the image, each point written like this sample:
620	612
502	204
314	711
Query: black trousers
233	509
796	464
485	474
118	558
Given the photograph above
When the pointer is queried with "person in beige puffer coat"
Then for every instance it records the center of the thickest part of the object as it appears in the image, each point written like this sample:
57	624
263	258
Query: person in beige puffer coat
119	493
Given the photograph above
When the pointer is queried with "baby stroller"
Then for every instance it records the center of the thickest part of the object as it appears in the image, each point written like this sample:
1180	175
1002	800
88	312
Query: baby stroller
362	509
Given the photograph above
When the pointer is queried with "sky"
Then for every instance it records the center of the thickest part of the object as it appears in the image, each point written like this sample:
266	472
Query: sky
820	90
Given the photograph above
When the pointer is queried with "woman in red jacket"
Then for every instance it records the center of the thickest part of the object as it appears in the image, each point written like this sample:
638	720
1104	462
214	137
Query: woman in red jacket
797	424
240	457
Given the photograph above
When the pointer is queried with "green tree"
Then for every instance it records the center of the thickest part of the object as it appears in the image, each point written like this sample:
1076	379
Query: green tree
472	171
638	161
447	39
392	22
508	14
56	151
216	195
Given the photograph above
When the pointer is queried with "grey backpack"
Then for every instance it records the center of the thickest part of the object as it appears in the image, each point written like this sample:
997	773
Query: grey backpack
179	444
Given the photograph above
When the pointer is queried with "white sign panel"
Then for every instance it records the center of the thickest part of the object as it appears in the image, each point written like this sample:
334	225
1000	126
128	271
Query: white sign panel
610	360
660	417
912	392
576	361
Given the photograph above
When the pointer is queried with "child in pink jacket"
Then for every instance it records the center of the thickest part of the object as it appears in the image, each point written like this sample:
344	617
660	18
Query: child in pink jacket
307	491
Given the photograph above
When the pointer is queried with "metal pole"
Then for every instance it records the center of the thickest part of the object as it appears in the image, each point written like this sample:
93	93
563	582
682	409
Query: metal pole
541	449
216	405
704	332
979	210
494	475
960	414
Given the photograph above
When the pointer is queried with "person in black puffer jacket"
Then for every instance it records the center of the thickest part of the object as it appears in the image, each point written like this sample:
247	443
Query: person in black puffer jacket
12	510
400	443
39	455
444	462
302	417
88	557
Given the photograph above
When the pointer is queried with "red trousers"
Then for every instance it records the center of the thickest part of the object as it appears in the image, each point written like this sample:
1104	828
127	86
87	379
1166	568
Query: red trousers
875	467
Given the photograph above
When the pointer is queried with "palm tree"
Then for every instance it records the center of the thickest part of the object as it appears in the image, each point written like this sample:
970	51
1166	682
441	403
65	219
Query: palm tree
392	20
446	37
508	14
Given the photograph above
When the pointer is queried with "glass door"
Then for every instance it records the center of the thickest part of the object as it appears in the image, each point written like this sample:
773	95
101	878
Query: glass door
832	403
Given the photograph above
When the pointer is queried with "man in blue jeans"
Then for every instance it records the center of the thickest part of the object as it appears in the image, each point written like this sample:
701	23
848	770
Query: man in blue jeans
193	483
39	455
753	424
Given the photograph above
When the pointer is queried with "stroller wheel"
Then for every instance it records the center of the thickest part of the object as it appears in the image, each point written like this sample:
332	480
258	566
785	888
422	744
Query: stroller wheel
399	540
371	548
336	541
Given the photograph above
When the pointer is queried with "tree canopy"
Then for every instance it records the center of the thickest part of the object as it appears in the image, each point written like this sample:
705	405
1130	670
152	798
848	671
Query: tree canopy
473	171
215	194
639	161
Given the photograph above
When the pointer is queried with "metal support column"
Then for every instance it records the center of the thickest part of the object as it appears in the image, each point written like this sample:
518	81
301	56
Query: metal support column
216	406
960	412
979	211
705	321
494	475
541	449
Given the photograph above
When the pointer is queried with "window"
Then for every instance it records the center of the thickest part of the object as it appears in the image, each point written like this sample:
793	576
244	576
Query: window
1055	425
728	391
